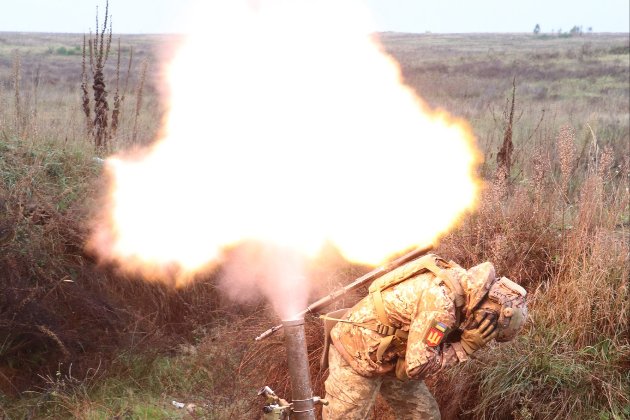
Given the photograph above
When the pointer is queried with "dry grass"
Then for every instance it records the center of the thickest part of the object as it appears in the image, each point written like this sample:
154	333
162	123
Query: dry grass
562	230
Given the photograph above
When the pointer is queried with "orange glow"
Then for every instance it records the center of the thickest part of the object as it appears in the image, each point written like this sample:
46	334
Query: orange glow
287	123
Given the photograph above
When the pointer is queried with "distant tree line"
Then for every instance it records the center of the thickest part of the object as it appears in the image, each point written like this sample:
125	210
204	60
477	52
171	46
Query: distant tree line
575	30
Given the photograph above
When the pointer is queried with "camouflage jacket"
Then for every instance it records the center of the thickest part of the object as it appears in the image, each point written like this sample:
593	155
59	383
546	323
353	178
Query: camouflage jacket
420	305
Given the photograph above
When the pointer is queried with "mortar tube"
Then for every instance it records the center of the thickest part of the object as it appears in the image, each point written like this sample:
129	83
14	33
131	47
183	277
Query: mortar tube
297	359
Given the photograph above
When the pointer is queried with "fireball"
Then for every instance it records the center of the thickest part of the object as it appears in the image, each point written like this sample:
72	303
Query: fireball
287	124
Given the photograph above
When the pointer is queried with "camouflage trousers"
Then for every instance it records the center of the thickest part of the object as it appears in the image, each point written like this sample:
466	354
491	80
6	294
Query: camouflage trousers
351	396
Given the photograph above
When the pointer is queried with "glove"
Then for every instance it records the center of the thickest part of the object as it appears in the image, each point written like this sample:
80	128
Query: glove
473	340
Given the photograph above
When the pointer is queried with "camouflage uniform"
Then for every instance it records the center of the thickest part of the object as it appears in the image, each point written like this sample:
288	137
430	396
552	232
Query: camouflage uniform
351	396
416	305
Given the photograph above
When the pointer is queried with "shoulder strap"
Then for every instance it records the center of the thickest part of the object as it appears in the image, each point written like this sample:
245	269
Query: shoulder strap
401	274
453	285
393	278
427	263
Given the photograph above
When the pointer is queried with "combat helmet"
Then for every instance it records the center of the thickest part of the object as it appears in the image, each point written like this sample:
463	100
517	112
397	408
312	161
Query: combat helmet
504	299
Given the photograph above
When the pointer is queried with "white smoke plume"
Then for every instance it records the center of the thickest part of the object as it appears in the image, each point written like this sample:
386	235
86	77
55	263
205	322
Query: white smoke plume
254	268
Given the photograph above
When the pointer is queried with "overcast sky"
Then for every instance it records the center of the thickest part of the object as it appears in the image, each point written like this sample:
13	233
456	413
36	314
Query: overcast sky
439	16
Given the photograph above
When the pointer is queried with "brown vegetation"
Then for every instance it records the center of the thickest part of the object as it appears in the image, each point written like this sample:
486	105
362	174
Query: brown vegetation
97	48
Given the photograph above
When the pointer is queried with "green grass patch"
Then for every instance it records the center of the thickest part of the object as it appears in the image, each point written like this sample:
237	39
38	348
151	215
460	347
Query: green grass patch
141	386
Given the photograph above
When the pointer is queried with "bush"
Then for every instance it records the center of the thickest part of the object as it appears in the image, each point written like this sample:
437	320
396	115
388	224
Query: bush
67	51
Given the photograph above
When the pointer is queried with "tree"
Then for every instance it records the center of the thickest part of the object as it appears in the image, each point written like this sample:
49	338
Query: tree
537	29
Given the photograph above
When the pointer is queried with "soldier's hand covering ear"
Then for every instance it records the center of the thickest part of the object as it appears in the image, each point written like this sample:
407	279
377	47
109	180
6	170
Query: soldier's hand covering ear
473	340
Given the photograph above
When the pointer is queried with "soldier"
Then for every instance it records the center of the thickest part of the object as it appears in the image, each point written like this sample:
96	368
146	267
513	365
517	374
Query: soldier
417	320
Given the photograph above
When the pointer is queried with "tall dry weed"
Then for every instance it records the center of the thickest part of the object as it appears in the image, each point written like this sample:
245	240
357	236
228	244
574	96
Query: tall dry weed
565	145
101	105
594	268
85	97
119	97
540	184
504	156
573	255
98	51
17	78
139	97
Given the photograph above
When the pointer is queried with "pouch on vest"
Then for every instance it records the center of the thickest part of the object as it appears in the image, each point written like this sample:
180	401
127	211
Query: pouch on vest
428	263
328	326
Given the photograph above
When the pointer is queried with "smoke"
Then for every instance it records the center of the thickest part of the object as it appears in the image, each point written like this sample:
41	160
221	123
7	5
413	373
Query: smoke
253	268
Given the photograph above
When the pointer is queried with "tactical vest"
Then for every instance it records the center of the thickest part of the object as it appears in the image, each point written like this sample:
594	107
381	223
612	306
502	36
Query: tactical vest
428	263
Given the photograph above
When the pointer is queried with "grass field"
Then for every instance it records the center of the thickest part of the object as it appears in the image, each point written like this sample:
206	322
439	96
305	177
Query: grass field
81	340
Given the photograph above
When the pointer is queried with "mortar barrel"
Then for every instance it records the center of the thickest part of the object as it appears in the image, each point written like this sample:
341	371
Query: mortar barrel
297	359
